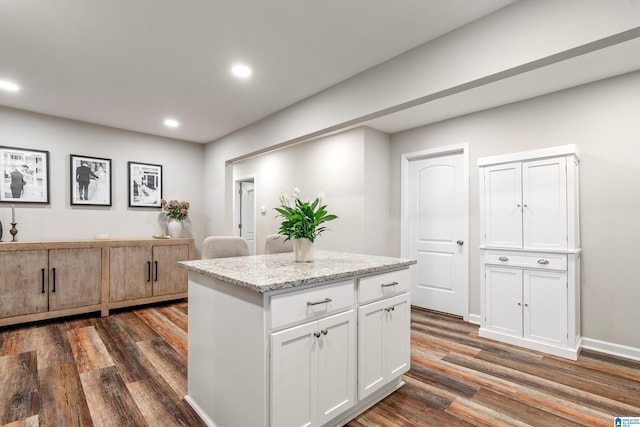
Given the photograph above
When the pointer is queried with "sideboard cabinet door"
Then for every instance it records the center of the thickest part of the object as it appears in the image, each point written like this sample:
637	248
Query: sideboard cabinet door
75	278
130	273
23	282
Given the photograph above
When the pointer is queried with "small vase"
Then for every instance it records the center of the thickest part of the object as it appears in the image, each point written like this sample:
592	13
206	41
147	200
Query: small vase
174	228
303	250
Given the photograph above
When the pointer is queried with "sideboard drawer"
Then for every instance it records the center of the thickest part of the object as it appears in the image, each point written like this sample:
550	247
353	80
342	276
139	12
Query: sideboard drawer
383	285
308	304
545	261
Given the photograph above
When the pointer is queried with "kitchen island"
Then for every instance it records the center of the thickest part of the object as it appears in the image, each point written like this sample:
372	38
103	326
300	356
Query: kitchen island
273	342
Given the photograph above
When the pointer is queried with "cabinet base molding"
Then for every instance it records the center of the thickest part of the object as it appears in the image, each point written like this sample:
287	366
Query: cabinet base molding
147	300
47	315
571	353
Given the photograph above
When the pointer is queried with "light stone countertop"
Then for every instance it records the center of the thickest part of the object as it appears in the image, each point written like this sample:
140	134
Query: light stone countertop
264	273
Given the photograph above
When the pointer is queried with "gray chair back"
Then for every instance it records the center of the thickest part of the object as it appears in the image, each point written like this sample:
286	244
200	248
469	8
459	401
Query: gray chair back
224	247
275	244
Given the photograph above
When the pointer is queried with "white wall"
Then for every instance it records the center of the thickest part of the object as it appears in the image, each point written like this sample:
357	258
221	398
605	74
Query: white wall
351	168
602	119
182	179
498	46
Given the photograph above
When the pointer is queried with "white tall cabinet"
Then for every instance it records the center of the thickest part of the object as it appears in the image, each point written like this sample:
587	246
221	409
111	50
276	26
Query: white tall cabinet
530	249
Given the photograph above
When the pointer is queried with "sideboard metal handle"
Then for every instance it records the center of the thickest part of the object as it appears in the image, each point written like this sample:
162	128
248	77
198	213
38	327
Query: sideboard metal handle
386	285
148	271
543	261
54	278
42	280
324	301
503	258
156	267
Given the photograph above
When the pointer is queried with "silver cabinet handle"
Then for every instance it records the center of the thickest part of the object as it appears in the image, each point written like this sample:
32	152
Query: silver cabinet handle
386	285
543	261
388	309
316	334
503	258
324	331
324	301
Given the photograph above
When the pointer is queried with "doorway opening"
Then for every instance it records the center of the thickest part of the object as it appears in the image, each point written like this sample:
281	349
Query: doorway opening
245	213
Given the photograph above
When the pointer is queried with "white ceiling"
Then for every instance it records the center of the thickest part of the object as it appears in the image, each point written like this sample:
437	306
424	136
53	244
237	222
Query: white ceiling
132	63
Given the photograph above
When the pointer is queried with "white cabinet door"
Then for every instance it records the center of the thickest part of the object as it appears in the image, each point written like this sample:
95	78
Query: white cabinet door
503	300
545	310
336	365
313	371
294	376
503	205
398	336
544	201
383	343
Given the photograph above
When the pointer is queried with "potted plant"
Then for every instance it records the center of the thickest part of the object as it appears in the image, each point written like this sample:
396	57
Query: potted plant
303	222
176	212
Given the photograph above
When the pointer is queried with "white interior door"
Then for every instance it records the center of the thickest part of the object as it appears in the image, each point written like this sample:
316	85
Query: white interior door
437	228
247	213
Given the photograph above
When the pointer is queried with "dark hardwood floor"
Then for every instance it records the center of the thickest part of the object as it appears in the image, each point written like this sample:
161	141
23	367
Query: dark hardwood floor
129	369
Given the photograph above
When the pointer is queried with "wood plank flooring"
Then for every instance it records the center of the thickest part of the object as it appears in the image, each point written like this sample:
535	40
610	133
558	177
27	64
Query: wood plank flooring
130	369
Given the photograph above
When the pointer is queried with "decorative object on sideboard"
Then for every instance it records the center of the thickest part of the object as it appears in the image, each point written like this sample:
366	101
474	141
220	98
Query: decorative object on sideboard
177	212
13	231
302	223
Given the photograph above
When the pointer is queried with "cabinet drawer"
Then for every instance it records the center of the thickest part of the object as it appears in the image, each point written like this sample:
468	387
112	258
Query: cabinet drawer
297	306
527	259
383	285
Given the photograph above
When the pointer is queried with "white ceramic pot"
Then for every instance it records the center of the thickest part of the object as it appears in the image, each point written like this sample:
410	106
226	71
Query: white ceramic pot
174	228
303	250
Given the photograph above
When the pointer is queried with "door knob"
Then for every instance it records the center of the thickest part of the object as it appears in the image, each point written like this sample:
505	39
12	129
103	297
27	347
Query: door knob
460	242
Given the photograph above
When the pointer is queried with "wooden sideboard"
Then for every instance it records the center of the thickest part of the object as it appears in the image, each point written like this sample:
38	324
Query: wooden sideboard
46	280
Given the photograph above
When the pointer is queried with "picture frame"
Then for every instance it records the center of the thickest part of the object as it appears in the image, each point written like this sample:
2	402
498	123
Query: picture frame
90	180
145	185
25	175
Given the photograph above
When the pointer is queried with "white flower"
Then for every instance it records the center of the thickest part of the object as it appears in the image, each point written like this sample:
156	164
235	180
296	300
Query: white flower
284	199
321	196
296	193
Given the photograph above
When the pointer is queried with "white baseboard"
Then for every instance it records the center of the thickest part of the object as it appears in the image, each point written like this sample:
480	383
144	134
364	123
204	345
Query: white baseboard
474	318
611	348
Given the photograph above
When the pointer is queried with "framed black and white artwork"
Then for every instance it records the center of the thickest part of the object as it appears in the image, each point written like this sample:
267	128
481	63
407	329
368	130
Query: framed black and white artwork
145	185
25	175
90	181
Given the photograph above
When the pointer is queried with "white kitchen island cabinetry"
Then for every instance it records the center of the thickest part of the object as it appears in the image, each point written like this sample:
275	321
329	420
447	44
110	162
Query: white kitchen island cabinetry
277	343
530	249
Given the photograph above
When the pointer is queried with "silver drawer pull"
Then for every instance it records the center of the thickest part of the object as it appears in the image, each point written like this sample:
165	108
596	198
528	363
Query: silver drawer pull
503	258
324	301
386	285
543	261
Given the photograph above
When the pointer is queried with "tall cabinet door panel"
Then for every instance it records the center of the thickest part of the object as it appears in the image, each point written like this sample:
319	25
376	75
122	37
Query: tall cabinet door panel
371	348
75	278
545	311
23	282
336	365
167	277
544	197
130	273
294	376
503	205
399	335
503	300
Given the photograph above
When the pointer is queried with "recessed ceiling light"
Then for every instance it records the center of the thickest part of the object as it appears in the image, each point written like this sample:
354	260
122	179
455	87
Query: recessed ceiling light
171	123
240	70
7	85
